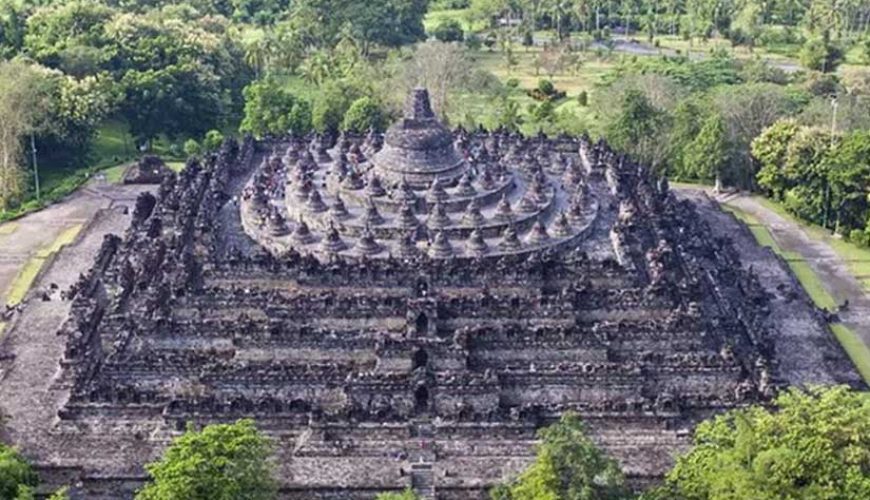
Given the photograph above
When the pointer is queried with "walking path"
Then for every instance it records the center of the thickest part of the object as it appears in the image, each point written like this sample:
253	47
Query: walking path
22	240
829	266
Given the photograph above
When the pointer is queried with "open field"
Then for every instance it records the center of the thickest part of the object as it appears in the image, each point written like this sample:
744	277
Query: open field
435	17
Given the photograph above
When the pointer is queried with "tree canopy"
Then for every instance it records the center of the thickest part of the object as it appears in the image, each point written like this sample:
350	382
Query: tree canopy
567	466
221	462
812	444
16	475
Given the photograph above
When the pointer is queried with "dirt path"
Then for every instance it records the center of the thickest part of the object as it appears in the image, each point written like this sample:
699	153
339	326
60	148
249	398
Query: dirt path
831	269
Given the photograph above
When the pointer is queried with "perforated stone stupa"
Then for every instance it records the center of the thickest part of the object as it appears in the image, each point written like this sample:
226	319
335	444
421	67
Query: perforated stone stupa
407	309
419	194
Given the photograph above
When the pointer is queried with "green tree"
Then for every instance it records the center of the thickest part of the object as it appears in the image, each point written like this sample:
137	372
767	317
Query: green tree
332	103
449	31
706	157
568	465
13	19
849	180
221	462
407	494
212	140
807	172
363	114
16	475
190	90
819	54
747	110
76	109
638	128
508	114
261	12
60	26
688	117
191	147
812	444
770	149
271	109
372	22
25	98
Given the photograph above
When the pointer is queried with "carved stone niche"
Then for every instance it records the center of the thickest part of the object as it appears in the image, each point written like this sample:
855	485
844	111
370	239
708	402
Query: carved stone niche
421	318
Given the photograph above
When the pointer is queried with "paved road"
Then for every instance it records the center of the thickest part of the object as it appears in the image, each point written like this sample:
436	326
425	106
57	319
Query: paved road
827	264
23	238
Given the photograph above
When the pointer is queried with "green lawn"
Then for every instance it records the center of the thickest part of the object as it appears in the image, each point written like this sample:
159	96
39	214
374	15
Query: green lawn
572	81
761	233
855	348
436	17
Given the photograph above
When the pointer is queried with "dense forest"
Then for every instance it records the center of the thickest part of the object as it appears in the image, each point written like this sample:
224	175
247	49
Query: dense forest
763	95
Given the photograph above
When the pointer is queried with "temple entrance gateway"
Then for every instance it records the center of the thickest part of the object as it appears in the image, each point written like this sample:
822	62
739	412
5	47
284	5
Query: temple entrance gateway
421	324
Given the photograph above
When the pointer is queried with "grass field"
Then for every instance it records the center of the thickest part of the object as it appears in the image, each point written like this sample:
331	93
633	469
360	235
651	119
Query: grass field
436	17
857	351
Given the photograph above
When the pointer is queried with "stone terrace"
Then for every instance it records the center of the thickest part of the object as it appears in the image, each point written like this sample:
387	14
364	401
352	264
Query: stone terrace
406	330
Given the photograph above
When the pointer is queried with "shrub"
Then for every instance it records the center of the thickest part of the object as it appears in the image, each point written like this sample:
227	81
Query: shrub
15	474
213	140
528	38
449	31
546	91
583	98
546	87
473	41
191	147
512	83
363	114
822	84
859	237
819	54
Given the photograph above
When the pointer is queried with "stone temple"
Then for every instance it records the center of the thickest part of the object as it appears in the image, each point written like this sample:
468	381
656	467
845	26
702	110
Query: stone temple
407	309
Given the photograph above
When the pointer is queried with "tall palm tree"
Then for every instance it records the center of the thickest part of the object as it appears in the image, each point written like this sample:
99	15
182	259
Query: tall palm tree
256	53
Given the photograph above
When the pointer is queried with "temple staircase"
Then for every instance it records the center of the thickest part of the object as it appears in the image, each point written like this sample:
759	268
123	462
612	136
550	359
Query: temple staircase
423	459
423	480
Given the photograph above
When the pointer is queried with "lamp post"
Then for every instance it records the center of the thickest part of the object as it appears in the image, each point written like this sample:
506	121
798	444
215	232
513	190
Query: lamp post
826	215
35	168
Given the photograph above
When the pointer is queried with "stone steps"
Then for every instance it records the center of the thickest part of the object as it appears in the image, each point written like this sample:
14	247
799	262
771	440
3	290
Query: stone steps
423	480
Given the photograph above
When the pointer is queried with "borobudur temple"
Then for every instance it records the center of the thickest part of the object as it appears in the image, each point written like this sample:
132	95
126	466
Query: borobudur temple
406	309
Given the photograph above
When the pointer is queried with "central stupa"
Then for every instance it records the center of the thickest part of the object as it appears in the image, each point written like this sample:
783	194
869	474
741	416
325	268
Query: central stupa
418	148
419	190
